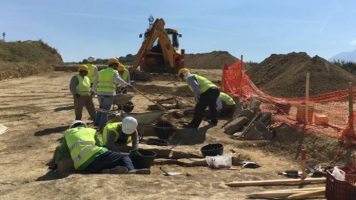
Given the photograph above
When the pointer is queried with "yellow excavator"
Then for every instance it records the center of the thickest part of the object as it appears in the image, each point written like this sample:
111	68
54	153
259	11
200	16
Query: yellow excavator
159	52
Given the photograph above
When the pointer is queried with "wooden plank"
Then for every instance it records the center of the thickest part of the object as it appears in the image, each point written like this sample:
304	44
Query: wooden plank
283	193
307	194
277	182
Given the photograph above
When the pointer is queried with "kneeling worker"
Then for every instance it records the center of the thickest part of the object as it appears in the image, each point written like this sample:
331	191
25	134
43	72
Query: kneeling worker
88	153
225	104
121	133
205	93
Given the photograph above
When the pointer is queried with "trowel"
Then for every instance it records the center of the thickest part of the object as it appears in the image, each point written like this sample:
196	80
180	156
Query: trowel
168	173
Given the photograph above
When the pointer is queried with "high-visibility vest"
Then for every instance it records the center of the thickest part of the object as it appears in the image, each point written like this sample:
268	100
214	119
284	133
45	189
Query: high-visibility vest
83	87
81	144
227	99
91	74
113	127
106	82
125	75
204	84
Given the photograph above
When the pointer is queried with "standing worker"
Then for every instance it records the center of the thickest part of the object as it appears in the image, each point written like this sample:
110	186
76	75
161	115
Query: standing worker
93	70
88	153
121	133
80	88
205	94
225	104
104	85
124	75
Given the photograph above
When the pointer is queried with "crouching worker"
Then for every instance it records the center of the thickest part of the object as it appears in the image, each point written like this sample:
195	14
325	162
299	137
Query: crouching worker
121	133
89	155
225	104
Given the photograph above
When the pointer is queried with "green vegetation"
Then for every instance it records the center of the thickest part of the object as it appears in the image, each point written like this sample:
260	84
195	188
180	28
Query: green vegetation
126	60
251	63
346	65
28	51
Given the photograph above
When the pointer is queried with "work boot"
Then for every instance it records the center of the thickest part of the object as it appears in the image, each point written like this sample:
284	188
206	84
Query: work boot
140	171
116	170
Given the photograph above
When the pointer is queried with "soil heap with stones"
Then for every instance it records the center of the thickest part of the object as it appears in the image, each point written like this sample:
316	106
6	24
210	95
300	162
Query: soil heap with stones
213	60
284	75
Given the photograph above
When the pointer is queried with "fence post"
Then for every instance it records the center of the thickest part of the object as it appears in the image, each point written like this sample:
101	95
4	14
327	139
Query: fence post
307	97
241	75
351	103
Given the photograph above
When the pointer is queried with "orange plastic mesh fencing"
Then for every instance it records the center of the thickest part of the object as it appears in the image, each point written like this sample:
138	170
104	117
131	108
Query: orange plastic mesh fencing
328	113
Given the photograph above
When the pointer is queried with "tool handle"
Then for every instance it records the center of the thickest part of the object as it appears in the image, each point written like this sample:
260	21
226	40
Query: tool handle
159	106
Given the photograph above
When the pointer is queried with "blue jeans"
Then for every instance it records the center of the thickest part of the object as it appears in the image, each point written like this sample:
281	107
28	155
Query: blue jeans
109	160
105	103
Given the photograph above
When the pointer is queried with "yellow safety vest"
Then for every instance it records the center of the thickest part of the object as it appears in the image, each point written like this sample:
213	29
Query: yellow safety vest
113	127
125	75
83	88
227	99
204	84
81	144
106	82
91	74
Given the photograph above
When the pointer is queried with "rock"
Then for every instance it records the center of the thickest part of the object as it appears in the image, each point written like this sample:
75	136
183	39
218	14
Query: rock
247	113
253	134
236	125
266	133
239	108
254	105
264	116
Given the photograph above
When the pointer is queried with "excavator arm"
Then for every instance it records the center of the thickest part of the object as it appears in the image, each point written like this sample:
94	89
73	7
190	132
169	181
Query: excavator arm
157	31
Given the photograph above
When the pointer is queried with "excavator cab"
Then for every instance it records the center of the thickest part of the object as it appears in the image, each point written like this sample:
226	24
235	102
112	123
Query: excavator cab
159	52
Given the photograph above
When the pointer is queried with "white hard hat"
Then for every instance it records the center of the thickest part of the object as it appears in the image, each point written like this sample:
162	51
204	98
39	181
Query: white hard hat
129	125
77	122
91	59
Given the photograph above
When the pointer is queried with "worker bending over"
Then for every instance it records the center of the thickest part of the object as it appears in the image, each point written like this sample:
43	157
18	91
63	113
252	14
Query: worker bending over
225	104
93	70
79	86
124	75
205	94
88	153
121	133
105	85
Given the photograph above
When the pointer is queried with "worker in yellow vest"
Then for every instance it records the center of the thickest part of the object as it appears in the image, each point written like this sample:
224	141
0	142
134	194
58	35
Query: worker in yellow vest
125	75
79	86
105	85
225	104
88	153
121	133
205	94
93	70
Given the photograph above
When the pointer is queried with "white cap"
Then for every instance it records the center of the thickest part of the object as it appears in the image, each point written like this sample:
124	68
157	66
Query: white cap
91	59
77	122
129	125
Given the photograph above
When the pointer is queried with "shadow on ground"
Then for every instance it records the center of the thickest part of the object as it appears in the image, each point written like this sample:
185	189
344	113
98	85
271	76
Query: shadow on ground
63	108
51	130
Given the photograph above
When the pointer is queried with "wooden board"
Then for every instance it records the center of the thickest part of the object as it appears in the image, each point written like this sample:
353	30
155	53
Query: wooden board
277	182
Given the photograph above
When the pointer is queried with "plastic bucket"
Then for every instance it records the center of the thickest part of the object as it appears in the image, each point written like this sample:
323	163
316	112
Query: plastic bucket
164	129
142	158
212	150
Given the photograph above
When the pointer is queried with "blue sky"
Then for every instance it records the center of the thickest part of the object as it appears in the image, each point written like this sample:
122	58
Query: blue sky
254	28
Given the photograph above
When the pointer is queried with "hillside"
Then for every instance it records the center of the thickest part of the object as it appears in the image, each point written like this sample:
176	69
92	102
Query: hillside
283	75
19	59
213	60
345	56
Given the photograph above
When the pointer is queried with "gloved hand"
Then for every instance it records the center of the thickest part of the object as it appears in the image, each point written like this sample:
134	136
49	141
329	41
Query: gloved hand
77	95
53	167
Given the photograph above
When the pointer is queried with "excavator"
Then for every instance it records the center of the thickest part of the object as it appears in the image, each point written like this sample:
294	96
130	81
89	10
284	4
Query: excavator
159	52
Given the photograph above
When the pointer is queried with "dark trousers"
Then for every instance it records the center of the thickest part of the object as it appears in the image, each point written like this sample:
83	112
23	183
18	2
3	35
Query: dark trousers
109	160
208	98
82	101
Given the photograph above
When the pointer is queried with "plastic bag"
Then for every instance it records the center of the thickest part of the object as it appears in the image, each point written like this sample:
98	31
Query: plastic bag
338	174
219	162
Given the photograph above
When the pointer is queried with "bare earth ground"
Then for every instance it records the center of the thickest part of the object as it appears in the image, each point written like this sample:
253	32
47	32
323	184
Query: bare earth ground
38	109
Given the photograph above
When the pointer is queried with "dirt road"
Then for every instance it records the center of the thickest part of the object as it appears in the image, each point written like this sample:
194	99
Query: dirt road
37	111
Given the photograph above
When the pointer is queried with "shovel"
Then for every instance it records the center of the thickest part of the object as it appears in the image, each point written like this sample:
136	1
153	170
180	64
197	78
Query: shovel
168	173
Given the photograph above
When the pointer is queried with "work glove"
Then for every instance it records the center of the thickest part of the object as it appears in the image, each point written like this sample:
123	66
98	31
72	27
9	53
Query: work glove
77	95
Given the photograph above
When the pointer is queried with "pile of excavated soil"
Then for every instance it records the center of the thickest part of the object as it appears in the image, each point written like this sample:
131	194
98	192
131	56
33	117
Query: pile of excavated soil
284	75
213	60
20	59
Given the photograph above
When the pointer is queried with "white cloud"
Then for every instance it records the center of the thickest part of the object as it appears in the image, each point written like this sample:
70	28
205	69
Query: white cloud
353	42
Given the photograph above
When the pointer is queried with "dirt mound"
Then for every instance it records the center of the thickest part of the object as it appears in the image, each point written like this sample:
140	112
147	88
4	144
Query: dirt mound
213	60
284	75
19	59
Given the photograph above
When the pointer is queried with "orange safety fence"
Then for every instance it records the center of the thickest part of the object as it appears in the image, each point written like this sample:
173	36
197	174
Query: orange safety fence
328	113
